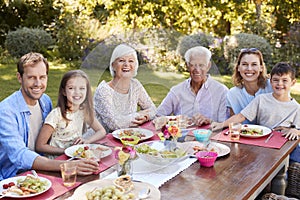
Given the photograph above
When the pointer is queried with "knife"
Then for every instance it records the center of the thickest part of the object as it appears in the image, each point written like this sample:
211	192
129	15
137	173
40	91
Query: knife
267	140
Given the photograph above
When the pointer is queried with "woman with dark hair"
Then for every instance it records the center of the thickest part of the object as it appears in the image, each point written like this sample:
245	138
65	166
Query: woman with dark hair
250	79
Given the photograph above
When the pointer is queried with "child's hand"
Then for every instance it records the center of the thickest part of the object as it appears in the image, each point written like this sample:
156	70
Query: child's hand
79	141
291	133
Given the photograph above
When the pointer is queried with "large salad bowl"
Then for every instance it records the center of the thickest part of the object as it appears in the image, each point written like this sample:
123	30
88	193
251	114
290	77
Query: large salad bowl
156	152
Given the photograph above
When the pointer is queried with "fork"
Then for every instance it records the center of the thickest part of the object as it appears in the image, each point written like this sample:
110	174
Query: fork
75	156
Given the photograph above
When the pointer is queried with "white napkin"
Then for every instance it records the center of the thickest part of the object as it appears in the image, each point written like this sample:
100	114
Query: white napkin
154	174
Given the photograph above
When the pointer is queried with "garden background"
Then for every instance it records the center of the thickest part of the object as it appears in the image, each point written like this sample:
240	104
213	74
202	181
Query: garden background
81	34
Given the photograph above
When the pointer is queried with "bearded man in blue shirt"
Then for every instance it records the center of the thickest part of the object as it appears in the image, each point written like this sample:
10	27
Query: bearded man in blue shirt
21	117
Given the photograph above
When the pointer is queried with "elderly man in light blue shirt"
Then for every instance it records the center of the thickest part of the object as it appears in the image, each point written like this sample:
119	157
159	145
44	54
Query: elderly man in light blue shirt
200	96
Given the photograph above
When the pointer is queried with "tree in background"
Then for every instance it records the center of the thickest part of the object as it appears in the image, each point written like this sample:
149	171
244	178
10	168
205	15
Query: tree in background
79	25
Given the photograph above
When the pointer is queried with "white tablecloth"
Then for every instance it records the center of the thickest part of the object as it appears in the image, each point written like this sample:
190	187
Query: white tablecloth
154	174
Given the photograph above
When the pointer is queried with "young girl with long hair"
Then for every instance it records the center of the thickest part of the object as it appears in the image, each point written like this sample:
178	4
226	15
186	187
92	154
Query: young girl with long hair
65	125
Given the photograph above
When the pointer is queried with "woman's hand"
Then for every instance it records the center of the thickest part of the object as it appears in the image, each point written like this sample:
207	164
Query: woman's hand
289	133
86	167
139	120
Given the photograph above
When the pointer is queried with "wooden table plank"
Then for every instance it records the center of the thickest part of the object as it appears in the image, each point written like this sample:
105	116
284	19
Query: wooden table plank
240	175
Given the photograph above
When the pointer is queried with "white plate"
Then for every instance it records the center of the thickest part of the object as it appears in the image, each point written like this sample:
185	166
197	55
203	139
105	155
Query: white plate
14	179
221	149
148	134
266	131
70	150
81	190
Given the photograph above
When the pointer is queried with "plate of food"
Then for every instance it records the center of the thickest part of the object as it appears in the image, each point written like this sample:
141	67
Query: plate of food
142	133
254	131
24	186
114	188
86	150
195	146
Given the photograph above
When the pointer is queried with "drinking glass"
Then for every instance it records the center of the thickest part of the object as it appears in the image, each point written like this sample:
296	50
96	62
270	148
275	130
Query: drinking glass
235	130
68	173
159	122
97	154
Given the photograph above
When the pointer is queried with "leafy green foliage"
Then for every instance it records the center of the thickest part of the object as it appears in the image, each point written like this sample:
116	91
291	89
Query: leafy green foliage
189	41
25	40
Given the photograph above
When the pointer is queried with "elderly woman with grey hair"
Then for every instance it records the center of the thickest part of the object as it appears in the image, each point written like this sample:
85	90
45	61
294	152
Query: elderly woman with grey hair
199	97
116	102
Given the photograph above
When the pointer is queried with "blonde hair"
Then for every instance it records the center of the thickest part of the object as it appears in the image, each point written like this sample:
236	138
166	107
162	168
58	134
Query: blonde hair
119	51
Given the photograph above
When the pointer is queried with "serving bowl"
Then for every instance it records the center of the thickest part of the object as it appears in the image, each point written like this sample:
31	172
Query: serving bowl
155	152
130	140
207	158
202	135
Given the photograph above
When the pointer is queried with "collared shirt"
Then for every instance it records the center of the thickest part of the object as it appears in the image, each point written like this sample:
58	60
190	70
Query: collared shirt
209	101
238	98
14	129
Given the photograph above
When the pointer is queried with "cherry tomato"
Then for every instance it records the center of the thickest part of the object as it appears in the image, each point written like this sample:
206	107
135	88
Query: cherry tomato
5	186
11	184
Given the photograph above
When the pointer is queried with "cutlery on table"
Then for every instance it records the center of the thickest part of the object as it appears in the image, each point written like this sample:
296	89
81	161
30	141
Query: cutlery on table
105	144
34	173
267	140
4	195
75	156
144	193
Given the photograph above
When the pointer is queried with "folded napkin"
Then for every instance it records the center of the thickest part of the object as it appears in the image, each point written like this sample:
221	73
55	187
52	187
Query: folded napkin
56	189
154	174
276	141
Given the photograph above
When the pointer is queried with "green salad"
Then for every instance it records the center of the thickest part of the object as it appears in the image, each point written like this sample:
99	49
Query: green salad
146	149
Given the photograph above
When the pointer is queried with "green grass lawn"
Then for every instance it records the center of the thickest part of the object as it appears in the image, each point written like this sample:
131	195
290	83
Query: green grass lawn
156	83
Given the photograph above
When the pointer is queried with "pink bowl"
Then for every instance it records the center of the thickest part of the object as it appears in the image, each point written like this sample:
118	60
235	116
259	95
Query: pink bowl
207	158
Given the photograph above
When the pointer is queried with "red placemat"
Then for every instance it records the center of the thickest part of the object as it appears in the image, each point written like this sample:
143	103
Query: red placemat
276	141
56	189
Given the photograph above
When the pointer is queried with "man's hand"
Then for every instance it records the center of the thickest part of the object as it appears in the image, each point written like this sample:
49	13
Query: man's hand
200	120
216	126
86	167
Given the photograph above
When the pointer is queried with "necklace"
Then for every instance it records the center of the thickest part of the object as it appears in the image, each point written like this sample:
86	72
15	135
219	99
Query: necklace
118	88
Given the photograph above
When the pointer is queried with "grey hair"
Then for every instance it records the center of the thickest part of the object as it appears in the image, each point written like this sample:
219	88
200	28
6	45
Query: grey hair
123	50
197	51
